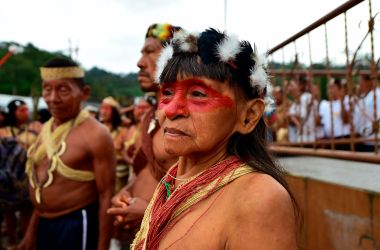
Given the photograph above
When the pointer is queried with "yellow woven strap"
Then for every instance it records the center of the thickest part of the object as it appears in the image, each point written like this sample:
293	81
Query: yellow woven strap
213	186
52	145
144	228
50	141
70	173
133	139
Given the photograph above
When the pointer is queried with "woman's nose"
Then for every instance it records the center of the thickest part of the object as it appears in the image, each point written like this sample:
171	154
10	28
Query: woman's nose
177	107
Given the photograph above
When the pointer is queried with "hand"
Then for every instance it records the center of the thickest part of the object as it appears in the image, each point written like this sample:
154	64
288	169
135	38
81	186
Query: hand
130	213
129	154
120	200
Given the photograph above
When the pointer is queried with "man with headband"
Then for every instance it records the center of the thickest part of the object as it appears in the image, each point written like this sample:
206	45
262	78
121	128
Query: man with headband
151	161
71	168
225	191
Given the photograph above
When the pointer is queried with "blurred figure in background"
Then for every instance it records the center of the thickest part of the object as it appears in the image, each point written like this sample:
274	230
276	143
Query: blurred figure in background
3	117
109	115
18	126
18	135
334	112
279	126
301	112
367	117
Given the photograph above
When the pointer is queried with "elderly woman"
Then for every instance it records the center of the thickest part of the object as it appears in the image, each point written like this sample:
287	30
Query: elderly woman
225	192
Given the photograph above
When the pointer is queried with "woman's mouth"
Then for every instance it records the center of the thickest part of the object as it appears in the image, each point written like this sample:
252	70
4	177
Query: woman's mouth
174	132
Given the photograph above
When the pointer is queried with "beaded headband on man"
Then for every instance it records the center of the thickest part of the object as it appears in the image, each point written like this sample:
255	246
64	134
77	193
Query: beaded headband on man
162	32
214	46
61	72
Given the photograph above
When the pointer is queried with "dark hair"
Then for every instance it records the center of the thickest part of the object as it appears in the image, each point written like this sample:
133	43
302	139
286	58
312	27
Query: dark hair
61	62
43	115
116	119
338	82
11	119
252	147
366	77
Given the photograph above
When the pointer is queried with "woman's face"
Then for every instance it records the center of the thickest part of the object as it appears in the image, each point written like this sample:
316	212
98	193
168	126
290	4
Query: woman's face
22	114
198	115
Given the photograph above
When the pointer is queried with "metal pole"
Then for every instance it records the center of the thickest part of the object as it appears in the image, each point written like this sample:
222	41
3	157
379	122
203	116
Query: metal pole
375	125
349	83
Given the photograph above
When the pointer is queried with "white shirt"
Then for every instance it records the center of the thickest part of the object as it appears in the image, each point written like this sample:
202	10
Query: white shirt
304	110
365	115
340	128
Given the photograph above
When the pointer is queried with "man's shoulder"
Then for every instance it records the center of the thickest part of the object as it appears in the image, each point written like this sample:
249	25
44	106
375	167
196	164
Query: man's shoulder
93	130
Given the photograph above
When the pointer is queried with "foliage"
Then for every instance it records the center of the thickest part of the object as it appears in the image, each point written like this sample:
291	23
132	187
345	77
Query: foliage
20	76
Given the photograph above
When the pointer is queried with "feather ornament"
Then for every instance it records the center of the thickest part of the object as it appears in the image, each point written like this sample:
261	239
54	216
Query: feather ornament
228	48
185	41
259	76
165	56
269	104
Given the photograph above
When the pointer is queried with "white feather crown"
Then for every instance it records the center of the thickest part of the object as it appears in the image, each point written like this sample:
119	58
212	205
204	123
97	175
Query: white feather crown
226	50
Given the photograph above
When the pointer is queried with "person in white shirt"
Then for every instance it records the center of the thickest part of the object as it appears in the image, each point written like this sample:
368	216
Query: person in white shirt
301	114
367	116
334	113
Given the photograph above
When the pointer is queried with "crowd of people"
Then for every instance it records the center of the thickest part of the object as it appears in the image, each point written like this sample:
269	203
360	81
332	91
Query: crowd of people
188	169
301	115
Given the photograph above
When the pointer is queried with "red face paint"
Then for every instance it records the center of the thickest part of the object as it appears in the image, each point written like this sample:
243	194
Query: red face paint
180	98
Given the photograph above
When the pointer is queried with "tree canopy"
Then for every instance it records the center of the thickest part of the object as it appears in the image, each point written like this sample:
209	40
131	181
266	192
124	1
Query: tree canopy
20	76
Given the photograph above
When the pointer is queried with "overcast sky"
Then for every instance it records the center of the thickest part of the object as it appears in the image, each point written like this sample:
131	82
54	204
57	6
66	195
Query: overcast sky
110	33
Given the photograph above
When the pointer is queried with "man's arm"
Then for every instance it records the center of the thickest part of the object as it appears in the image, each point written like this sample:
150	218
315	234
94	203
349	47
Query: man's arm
104	163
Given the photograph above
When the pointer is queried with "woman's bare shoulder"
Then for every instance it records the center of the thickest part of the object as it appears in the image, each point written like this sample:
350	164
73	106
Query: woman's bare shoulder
261	212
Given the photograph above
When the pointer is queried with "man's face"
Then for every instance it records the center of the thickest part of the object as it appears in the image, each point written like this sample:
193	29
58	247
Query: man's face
147	63
22	114
198	116
364	85
63	98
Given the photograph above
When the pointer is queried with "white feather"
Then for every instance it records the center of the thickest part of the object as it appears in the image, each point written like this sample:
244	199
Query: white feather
259	78
185	47
269	104
269	89
165	56
229	48
180	36
261	59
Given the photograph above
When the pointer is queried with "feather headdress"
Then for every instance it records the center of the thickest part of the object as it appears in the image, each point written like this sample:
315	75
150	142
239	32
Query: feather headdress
212	46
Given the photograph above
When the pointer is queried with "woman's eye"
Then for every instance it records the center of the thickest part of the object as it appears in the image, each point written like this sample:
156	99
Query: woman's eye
197	93
167	92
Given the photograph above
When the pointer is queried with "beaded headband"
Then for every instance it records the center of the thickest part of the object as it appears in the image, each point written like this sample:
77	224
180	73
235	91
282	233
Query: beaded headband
214	46
61	72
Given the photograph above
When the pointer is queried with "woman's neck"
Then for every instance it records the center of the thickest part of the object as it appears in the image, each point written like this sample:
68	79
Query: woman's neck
192	165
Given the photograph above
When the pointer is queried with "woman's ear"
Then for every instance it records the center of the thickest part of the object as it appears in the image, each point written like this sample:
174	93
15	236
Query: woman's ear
250	116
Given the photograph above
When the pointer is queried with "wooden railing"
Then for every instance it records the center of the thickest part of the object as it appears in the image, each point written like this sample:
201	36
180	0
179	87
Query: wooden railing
318	76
